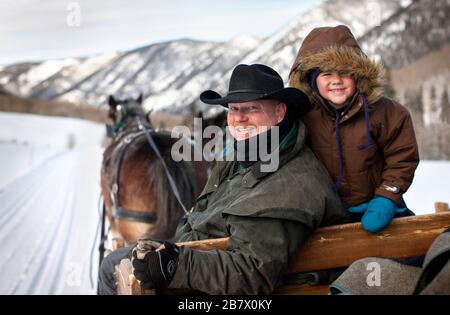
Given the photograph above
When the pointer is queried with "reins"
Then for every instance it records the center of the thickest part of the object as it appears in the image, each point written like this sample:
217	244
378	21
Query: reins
152	144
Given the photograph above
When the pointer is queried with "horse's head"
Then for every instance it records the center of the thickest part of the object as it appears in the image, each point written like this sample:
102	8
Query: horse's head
134	179
123	113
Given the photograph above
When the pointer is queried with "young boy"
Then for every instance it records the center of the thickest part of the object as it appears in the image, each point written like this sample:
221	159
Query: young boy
365	140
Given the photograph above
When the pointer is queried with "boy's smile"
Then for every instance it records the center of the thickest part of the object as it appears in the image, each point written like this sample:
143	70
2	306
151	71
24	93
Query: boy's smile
336	88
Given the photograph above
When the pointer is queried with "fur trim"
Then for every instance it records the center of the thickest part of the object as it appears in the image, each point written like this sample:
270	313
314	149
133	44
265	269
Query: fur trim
368	75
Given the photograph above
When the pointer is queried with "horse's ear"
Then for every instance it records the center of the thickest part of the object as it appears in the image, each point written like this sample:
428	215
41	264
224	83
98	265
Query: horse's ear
139	99
111	101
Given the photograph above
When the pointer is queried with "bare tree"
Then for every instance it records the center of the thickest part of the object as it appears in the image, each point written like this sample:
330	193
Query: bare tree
445	107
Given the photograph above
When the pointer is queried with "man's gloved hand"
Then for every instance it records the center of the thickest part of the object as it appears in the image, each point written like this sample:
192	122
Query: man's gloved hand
154	262
145	245
378	213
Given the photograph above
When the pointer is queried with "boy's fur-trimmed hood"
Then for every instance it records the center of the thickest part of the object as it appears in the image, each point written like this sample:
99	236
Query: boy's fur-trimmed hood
336	49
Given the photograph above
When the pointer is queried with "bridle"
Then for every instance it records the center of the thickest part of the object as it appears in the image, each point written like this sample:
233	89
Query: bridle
114	131
119	152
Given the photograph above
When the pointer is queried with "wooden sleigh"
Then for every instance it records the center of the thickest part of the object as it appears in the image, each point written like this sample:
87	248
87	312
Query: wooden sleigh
333	247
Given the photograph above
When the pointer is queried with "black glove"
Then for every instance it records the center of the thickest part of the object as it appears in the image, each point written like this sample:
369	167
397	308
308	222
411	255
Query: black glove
158	266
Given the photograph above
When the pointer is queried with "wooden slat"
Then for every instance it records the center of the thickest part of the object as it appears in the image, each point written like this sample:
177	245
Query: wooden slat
216	243
440	207
339	245
127	284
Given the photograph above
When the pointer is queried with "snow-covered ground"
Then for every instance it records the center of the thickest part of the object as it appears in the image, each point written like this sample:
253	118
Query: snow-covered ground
49	188
431	183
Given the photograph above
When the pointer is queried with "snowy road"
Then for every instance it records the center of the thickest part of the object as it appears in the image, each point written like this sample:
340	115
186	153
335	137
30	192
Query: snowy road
49	188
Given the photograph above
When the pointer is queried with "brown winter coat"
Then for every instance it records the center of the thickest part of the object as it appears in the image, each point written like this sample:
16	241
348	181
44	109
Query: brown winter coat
390	160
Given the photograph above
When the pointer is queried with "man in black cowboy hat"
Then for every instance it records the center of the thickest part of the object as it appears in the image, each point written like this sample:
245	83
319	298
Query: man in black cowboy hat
256	102
267	215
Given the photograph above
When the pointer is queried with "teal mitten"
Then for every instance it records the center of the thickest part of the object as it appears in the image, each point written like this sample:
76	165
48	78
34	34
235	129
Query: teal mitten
378	213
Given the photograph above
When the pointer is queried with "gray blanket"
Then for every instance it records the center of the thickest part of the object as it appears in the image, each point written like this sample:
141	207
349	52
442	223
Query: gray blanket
374	275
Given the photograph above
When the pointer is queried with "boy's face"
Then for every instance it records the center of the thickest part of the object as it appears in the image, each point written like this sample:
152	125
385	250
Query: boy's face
248	119
336	88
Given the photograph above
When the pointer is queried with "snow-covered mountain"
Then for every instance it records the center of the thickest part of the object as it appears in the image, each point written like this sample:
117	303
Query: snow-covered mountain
169	74
415	45
172	74
280	49
411	33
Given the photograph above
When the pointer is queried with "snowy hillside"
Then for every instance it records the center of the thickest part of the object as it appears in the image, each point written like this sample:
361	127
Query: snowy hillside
280	49
51	78
410	34
49	188
169	74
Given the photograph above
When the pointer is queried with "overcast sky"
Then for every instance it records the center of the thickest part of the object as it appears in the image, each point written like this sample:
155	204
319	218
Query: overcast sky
42	29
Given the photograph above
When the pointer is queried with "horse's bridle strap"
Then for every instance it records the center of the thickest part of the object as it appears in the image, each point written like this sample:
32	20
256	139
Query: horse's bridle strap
133	215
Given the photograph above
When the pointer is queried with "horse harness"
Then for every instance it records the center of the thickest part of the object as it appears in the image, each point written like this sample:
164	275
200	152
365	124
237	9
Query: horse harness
118	211
133	215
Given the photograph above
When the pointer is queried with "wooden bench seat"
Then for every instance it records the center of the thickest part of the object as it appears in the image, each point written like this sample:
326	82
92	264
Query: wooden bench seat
340	245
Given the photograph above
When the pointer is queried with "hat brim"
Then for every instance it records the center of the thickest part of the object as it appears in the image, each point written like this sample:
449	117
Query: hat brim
293	97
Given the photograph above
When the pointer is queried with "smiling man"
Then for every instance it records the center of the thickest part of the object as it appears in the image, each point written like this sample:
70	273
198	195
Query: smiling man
255	126
267	215
248	119
261	114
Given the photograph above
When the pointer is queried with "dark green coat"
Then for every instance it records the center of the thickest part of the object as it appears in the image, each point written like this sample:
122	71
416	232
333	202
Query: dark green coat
266	217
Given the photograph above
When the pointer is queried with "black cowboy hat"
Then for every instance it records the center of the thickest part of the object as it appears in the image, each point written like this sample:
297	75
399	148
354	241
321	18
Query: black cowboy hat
257	82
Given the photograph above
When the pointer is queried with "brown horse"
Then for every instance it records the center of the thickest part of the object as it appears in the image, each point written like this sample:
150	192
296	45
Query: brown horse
138	198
